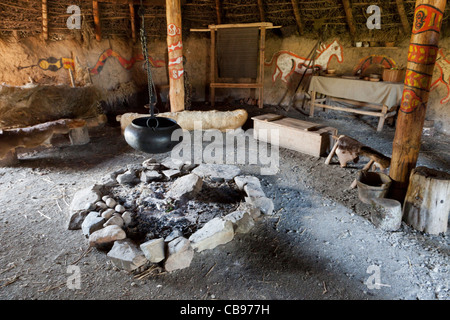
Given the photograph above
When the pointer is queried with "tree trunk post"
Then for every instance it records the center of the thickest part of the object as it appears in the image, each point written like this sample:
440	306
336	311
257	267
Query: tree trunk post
422	55
175	49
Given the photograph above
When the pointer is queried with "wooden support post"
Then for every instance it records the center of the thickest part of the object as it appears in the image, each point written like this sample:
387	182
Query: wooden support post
262	13
427	201
212	63
349	16
403	17
219	12
298	17
44	20
96	13
423	50
175	49
262	47
133	21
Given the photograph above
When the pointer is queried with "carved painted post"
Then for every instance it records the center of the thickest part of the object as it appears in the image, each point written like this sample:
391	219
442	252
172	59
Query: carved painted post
423	50
175	50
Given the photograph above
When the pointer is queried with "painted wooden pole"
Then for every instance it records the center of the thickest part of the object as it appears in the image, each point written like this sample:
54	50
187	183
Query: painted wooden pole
423	50
175	50
44	20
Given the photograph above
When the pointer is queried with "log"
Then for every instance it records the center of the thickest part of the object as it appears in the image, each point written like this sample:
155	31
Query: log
423	51
262	13
133	21
297	15
349	16
96	14
218	12
44	19
403	17
34	136
221	120
175	49
386	214
427	202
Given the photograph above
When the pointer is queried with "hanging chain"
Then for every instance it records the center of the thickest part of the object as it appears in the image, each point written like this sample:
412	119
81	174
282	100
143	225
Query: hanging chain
150	84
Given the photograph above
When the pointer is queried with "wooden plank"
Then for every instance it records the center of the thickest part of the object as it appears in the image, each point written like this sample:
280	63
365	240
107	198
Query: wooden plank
367	113
241	25
236	85
268	117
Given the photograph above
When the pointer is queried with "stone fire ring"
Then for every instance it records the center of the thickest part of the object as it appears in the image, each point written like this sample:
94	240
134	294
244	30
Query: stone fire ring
109	222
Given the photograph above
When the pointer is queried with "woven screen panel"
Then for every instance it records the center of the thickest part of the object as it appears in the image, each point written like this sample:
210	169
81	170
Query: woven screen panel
237	52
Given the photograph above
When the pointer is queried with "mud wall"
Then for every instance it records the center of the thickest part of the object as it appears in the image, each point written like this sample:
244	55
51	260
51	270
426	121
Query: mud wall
116	69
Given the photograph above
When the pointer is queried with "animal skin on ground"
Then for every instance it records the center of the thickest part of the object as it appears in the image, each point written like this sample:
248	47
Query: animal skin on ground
350	149
220	120
37	135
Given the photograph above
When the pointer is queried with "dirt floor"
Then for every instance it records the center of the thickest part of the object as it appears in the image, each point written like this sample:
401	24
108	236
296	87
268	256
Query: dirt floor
320	244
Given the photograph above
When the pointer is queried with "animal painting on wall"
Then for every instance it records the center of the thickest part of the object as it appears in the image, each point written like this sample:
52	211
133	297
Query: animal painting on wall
373	60
286	62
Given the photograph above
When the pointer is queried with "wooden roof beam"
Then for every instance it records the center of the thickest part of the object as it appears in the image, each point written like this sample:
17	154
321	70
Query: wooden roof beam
349	16
403	17
262	13
298	17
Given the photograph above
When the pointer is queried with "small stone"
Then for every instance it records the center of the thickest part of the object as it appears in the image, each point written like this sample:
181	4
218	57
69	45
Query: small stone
128	177
172	173
126	216
108	213
174	234
77	219
92	223
218	172
150	175
116	219
87	195
111	203
119	208
171	163
149	161
180	254
242	221
215	232
104	198
154	250
241	181
254	212
89	206
254	191
106	236
263	203
126	255
186	187
100	205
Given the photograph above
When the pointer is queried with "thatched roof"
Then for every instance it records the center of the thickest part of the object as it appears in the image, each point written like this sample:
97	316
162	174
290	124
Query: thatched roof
23	18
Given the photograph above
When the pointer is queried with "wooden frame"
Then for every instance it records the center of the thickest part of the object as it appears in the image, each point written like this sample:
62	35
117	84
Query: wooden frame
259	84
383	112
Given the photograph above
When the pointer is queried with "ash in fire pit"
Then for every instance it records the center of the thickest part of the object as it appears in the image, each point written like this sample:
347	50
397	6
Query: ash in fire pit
159	213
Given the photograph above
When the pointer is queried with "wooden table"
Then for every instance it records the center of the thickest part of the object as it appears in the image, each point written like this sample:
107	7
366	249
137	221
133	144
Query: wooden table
382	98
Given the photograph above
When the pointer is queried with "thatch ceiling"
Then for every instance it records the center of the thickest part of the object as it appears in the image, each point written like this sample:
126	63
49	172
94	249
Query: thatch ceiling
24	17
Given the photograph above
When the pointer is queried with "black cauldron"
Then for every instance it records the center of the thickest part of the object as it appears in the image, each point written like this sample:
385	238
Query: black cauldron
152	134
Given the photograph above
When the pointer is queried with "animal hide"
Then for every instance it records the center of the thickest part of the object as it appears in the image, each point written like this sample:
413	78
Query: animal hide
34	136
350	150
221	120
